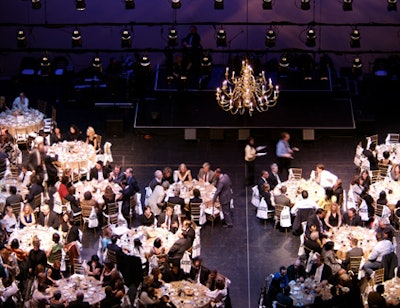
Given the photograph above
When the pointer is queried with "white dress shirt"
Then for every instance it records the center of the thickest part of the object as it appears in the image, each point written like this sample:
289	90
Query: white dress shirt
303	204
20	104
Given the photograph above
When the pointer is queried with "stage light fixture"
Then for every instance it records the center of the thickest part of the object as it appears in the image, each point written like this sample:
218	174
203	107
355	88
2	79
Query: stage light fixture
126	39
176	4
284	62
97	65
392	5
267	5
270	37
76	38
144	61
172	37
36	4
357	66
129	4
21	39
80	5
218	4
305	5
221	38
355	39
45	66
310	38
347	5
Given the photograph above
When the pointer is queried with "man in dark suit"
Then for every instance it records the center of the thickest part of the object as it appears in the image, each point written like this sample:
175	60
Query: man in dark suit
157	180
177	200
198	272
79	303
207	175
99	172
224	194
351	218
48	218
36	161
263	180
168	220
35	189
131	180
14	197
320	271
178	249
316	219
274	178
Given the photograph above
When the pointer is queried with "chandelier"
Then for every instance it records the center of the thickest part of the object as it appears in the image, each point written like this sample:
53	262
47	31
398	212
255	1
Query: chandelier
246	92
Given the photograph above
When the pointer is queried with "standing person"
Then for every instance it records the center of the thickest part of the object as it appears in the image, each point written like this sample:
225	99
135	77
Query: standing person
250	154
224	193
284	154
21	102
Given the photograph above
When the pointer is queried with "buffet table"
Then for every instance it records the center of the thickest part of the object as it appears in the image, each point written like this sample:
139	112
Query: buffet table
30	121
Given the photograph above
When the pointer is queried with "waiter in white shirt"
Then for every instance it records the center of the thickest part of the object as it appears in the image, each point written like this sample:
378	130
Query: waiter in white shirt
21	102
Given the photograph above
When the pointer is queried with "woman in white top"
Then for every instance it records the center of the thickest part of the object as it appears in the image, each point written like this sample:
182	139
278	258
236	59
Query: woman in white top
9	220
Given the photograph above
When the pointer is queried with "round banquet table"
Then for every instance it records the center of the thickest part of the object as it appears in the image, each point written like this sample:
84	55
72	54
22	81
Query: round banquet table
207	190
185	294
73	154
393	149
31	121
96	188
27	234
294	188
392	189
5	190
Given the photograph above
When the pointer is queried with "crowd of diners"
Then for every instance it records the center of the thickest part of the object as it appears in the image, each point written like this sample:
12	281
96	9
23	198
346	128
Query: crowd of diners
27	275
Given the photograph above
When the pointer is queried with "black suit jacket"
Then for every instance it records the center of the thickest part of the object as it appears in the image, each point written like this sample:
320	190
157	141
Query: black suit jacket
33	162
161	220
314	220
34	190
204	272
13	199
94	173
53	220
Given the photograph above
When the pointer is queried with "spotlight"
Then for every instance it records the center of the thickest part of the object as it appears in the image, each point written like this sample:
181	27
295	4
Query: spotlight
144	61
80	5
36	4
176	4
218	4
221	38
21	39
172	37
355	39
305	5
129	4
206	61
310	38
284	62
347	5
76	38
267	5
45	66
97	65
392	5
270	37
357	66
126	39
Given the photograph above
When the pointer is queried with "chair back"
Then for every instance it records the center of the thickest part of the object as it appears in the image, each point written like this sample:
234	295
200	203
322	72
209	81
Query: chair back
392	138
37	201
86	210
78	268
379	276
372	139
195	211
383	170
278	211
14	171
112	256
355	263
98	139
379	210
375	176
296	173
57	256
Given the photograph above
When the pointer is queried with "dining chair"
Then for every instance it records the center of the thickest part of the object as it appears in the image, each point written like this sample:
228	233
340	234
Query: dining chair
277	216
37	201
379	210
375	176
112	256
195	212
57	256
21	137
372	139
296	173
77	219
78	267
86	211
16	209
354	265
383	170
392	138
379	276
50	123
112	213
14	172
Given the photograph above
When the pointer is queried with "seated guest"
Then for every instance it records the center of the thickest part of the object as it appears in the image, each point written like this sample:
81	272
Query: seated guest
198	272
382	198
56	136
175	199
14	197
305	203
40	298
89	202
168	220
34	190
385	160
296	271
25	176
109	275
328	199
54	273
338	191
99	172
375	298
94	267
278	283
73	201
212	279
114	246
157	248
21	255
48	218
218	295
168	175
79	302
263	180
320	271
274	178
313	242
355	251
330	258
184	174
333	218
57	301
54	249
157	278
116	175
351	218
74	133
36	257
156	199
148	297
62	188
316	219
195	199
91	138
157	180
106	234
206	175
282	199
9	220
178	249
383	247
395	172
174	274
147	219
108	197
187	229
323	177
26	217
110	300
138	251
283	298
266	194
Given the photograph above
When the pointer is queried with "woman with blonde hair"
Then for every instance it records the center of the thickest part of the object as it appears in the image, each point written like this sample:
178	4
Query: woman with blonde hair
26	217
91	137
333	218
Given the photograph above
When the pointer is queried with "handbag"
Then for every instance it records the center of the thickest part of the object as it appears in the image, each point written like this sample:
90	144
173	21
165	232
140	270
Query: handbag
255	197
262	210
285	219
93	222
